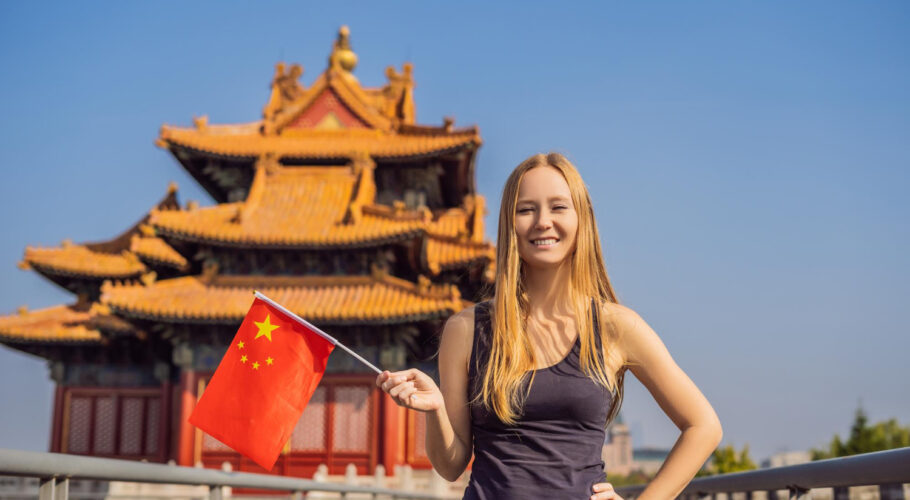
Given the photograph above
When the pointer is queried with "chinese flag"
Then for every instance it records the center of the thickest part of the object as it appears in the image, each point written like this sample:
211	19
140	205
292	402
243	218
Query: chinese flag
263	383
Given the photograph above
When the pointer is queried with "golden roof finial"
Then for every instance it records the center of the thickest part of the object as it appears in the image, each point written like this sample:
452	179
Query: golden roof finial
342	57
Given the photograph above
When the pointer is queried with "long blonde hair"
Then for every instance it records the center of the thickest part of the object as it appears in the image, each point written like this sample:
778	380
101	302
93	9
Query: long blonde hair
511	352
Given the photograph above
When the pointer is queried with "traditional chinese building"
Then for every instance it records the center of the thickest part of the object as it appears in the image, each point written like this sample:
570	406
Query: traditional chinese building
335	204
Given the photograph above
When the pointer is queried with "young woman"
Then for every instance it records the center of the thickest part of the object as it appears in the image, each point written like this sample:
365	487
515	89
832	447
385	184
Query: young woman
530	380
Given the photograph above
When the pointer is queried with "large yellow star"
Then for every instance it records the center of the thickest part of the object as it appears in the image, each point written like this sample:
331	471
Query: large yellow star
265	328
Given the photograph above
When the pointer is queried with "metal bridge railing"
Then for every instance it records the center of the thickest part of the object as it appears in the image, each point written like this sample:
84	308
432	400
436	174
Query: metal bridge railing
886	469
55	470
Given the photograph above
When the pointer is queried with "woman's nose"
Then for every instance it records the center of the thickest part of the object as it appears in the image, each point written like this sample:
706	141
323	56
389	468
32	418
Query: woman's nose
544	221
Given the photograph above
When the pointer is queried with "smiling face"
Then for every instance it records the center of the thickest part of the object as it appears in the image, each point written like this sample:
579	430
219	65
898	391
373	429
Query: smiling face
546	222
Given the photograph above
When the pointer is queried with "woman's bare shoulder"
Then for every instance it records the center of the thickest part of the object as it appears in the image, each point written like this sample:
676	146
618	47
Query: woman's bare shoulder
623	318
458	335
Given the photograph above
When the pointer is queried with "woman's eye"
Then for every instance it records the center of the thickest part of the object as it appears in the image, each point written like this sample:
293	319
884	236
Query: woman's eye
524	210
560	207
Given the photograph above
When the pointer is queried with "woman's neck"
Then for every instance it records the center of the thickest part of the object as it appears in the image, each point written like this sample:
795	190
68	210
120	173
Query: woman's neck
547	287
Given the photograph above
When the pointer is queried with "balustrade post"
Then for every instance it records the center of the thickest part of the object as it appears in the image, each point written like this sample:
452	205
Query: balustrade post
46	488
215	493
841	493
62	490
891	491
798	493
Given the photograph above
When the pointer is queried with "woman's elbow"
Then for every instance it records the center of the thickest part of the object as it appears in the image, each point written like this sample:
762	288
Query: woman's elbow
449	472
717	432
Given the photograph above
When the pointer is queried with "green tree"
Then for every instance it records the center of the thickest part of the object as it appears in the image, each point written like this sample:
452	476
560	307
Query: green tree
865	438
725	459
635	477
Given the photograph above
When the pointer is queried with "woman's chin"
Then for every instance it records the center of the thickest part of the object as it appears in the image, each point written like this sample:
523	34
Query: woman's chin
539	263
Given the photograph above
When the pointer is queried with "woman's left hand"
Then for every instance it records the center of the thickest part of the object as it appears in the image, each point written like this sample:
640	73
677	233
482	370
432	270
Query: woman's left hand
604	491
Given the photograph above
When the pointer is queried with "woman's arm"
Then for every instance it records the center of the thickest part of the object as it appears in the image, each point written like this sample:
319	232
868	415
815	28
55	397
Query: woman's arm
448	435
678	397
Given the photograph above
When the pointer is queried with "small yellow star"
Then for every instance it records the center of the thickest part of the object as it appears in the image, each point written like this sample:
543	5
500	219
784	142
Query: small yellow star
240	345
265	328
269	360
255	365
243	358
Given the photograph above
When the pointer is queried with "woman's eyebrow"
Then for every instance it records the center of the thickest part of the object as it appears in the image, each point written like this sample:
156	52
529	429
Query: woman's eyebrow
551	199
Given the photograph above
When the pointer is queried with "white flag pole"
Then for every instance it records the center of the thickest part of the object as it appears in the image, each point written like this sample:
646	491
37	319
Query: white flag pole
315	329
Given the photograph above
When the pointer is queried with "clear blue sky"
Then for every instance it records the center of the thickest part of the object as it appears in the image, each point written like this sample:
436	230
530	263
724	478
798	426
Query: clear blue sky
749	162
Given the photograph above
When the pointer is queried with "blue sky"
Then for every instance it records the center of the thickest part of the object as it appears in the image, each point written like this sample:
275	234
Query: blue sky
749	164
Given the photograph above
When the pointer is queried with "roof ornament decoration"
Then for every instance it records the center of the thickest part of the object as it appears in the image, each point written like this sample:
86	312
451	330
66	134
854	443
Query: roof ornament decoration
286	88
201	122
399	94
146	230
342	57
149	278
378	272
364	191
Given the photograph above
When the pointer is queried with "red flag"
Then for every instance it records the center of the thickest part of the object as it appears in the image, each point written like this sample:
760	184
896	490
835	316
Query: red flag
263	383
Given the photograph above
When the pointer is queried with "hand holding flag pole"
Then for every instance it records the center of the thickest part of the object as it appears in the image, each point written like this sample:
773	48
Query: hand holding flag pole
264	381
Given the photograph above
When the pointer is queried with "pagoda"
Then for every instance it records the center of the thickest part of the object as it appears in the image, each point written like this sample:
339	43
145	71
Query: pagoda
335	204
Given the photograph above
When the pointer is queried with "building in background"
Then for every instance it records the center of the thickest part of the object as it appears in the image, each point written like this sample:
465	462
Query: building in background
335	204
617	451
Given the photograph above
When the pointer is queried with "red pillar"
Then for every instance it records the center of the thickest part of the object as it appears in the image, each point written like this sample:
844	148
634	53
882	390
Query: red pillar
164	422
186	439
391	434
57	420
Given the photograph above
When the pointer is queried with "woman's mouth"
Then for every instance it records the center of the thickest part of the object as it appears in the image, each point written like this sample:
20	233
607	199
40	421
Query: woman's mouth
545	242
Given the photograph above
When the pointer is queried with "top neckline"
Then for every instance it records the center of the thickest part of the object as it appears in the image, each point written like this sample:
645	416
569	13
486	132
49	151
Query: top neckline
563	360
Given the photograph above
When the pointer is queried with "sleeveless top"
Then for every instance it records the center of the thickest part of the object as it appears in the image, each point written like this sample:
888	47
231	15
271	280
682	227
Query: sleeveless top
554	449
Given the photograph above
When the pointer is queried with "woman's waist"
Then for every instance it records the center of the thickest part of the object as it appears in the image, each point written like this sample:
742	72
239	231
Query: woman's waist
525	452
515	478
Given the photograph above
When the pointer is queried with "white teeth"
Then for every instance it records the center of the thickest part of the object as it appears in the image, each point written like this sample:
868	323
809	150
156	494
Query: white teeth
550	241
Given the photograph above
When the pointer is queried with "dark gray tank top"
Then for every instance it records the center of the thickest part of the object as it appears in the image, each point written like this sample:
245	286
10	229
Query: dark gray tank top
554	450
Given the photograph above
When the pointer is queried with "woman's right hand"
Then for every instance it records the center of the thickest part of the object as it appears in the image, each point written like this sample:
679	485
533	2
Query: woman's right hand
411	389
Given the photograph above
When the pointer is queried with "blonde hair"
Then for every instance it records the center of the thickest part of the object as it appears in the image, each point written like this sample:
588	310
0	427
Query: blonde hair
511	353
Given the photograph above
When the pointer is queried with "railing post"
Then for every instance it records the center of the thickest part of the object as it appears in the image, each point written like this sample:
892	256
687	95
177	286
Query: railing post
842	493
215	493
891	491
62	489
798	493
297	495
47	488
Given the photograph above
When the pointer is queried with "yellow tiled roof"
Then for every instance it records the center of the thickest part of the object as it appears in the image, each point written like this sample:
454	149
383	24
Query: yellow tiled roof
118	258
57	324
327	299
154	249
361	103
311	143
79	260
446	253
302	207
